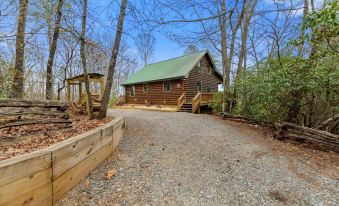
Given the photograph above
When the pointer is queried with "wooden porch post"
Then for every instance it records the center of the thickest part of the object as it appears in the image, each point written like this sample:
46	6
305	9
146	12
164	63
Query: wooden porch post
80	91
68	93
102	87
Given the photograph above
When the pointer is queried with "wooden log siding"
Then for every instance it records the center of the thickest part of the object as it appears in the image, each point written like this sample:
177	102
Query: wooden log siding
156	93
203	77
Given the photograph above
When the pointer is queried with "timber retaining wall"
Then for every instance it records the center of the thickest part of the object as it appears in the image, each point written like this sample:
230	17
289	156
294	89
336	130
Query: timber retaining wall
44	176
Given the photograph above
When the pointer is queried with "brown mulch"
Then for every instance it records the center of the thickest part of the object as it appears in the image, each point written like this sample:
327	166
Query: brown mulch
24	139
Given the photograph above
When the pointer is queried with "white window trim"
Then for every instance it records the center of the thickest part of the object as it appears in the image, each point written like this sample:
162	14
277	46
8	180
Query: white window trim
198	67
163	86
130	92
143	88
208	84
200	86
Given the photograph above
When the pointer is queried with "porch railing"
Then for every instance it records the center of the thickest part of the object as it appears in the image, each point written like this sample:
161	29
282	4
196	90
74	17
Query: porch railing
206	97
196	102
181	100
199	99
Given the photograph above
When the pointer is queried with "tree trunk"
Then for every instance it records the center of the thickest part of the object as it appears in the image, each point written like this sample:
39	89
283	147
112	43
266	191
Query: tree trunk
18	78
244	34
113	61
226	76
83	60
243	47
302	31
294	107
50	62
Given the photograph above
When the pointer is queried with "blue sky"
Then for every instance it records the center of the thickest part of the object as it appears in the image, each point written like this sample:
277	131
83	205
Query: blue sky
164	48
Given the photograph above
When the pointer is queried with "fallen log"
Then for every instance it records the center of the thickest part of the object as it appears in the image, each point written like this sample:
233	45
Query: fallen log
329	122
328	144
62	106
239	118
286	130
34	121
289	130
62	115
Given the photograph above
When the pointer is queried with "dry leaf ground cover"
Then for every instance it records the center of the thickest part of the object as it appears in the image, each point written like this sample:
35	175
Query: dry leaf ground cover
190	159
19	140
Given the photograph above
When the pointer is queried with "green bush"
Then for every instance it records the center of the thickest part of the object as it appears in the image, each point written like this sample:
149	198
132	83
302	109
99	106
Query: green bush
216	105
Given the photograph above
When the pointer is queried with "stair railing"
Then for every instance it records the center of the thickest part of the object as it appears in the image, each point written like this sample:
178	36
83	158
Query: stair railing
181	100
196	102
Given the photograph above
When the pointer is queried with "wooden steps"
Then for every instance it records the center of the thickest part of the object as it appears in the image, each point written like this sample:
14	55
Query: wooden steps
186	107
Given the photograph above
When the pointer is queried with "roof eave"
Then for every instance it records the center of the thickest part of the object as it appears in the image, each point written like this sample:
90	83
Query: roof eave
156	80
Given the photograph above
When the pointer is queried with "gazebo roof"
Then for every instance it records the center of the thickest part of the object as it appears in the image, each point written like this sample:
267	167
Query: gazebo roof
81	76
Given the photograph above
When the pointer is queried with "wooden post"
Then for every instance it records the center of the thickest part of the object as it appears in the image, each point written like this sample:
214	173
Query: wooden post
80	90
73	92
87	104
68	92
59	91
102	87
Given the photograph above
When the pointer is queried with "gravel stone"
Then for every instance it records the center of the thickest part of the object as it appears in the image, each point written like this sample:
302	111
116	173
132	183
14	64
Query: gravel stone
196	159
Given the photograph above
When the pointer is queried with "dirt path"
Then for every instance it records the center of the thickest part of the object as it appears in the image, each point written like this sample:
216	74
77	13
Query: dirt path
186	159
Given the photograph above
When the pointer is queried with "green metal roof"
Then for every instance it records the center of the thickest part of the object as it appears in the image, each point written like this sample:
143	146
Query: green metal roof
178	67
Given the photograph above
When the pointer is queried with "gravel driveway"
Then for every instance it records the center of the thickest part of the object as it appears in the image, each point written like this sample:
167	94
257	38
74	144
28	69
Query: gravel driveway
189	159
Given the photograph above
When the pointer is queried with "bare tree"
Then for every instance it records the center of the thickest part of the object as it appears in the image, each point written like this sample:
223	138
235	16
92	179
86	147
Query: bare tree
302	28
83	60
226	70
296	94
53	47
113	61
145	43
18	78
244	34
190	49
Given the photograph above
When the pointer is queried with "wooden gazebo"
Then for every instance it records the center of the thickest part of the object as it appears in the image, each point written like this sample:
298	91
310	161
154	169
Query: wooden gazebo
79	82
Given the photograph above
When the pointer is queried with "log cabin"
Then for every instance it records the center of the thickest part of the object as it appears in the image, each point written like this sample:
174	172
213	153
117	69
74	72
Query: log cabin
186	82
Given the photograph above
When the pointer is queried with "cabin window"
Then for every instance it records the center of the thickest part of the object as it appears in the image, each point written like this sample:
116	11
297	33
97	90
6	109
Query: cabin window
209	70
132	91
208	88
167	86
198	86
145	88
198	67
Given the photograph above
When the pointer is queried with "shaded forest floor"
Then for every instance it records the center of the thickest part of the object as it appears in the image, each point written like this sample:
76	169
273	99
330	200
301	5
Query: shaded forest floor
24	139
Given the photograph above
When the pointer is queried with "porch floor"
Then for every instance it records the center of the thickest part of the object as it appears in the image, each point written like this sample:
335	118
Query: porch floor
165	108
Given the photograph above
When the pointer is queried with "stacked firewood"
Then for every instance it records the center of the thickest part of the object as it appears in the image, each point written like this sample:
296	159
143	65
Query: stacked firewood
14	113
285	130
